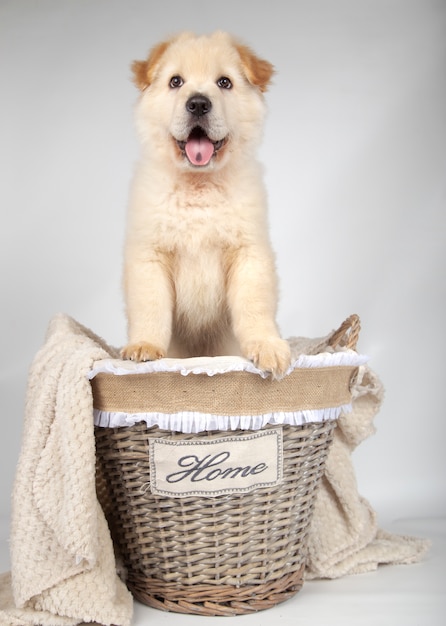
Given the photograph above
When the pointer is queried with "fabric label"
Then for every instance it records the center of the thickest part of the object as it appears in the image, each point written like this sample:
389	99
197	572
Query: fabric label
213	467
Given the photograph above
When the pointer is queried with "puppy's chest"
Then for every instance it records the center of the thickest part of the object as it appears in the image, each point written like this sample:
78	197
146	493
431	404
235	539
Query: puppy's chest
199	278
200	235
191	224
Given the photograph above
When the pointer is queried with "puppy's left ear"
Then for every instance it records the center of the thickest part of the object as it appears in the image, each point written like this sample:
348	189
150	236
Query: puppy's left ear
258	71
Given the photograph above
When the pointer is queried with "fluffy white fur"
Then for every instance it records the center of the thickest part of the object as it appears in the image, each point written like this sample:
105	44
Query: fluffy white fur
199	270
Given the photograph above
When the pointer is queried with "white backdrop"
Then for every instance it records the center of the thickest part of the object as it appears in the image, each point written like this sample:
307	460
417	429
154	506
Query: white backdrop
355	157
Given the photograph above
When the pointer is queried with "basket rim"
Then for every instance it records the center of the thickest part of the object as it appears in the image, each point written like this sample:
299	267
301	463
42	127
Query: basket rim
230	402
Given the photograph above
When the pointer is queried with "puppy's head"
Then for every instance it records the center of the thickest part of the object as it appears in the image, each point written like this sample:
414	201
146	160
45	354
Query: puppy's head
201	100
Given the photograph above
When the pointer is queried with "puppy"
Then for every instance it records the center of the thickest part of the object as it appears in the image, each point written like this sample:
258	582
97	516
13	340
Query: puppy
199	272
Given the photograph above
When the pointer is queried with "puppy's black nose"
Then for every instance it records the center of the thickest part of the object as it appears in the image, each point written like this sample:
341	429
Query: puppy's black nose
198	105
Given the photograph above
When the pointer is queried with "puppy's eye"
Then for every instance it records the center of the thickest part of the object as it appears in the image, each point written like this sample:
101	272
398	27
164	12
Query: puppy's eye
175	82
224	83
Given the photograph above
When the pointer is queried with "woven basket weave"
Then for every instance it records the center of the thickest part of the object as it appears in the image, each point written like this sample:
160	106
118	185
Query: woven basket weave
225	555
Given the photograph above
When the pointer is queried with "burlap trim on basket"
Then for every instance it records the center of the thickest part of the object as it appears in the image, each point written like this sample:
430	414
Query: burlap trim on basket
224	402
169	393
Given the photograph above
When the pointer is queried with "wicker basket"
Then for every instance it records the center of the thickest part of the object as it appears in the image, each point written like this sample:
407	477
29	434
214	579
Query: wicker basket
230	554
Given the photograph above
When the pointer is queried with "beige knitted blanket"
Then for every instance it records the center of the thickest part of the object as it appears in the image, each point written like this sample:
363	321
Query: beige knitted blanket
62	561
344	536
63	569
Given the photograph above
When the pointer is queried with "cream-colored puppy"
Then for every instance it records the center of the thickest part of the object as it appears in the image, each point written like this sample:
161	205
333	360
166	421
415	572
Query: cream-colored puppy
199	270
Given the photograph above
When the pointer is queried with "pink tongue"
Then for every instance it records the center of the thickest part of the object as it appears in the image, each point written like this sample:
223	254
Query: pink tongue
199	150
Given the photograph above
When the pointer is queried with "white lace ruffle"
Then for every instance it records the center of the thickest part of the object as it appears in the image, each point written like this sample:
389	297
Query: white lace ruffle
222	364
195	422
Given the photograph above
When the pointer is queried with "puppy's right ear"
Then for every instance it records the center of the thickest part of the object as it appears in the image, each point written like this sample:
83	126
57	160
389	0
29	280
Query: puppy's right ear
258	71
143	71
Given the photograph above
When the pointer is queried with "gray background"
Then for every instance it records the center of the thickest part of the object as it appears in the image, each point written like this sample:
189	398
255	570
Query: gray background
354	151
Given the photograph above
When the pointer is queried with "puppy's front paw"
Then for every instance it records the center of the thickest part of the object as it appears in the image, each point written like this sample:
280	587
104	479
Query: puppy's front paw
142	351
271	354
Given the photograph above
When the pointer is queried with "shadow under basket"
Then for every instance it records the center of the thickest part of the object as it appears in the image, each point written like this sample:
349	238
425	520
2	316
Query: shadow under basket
225	553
